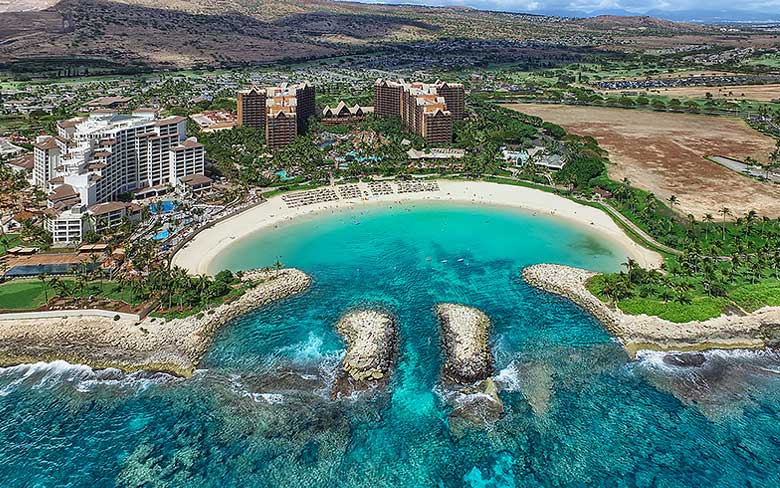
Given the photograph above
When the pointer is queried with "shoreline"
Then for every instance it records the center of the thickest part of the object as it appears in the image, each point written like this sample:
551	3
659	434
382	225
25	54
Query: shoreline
199	254
636	333
170	346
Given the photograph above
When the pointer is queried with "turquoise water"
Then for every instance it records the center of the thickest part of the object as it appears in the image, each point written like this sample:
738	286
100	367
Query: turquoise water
165	207
162	235
259	412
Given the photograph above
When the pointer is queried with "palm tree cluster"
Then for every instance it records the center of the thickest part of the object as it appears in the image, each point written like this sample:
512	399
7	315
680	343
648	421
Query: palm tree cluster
174	287
636	281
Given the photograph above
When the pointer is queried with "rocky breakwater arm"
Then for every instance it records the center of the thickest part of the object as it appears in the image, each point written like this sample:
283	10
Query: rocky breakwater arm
371	337
154	344
464	334
468	364
756	330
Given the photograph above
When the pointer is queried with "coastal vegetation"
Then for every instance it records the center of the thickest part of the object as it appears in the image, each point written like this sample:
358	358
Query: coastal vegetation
169	293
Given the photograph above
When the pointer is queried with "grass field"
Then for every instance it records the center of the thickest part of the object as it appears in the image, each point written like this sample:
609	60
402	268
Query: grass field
665	153
700	308
22	295
753	297
31	294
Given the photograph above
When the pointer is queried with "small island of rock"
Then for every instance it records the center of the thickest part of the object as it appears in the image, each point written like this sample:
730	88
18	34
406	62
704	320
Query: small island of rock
371	337
464	333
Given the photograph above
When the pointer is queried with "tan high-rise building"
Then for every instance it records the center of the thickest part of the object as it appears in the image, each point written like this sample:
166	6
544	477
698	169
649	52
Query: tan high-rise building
251	108
281	125
428	110
387	98
280	105
455	97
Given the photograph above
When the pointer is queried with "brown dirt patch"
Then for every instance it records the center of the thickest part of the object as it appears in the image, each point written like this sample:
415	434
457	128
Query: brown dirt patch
665	153
762	93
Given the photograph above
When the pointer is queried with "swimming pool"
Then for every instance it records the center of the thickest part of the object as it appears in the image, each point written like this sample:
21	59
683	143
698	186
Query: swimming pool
162	235
165	207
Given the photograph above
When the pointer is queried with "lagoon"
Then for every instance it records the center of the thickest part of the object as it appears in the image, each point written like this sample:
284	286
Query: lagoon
259	413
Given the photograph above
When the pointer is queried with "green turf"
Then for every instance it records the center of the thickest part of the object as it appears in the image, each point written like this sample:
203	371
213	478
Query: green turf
753	297
701	308
22	295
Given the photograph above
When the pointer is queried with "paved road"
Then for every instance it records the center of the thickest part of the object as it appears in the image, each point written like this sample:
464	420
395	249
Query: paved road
638	230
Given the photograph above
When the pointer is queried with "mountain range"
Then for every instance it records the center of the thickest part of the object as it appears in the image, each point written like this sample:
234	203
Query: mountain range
41	34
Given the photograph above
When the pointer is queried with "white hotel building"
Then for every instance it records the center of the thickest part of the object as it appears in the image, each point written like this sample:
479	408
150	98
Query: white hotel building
93	160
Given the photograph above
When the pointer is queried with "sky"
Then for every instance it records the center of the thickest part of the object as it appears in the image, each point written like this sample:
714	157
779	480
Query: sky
673	9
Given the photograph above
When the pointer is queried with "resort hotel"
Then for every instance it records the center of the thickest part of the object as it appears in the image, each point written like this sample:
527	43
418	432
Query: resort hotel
427	110
281	112
94	159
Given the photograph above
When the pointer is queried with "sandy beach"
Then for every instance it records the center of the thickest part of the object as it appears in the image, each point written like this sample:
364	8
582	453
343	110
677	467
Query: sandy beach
198	255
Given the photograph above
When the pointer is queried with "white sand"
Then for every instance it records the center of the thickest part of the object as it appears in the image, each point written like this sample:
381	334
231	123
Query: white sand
199	253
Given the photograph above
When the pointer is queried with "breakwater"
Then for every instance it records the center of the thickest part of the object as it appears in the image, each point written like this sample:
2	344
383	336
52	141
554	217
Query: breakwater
154	344
756	330
371	337
464	335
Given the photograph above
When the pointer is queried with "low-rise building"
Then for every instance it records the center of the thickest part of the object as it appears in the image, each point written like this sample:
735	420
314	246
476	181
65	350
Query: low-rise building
194	184
342	113
214	120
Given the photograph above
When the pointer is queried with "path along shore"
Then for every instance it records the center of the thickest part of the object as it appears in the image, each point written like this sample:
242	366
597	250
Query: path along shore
642	332
198	255
154	344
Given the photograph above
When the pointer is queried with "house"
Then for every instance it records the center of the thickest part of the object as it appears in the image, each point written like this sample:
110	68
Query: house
23	164
538	154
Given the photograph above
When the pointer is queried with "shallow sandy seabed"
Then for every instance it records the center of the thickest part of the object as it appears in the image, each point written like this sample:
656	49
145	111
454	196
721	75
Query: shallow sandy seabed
198	255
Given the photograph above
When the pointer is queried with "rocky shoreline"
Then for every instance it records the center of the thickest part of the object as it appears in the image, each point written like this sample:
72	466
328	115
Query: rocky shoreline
171	346
464	334
371	337
757	330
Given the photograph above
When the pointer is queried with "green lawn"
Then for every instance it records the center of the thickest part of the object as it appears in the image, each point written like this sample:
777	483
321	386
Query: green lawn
22	295
753	297
700	308
106	289
29	294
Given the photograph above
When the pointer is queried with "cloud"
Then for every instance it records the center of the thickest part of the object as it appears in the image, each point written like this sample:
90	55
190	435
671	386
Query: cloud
595	7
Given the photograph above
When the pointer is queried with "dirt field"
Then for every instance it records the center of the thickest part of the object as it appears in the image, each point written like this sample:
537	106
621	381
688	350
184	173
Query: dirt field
665	153
762	93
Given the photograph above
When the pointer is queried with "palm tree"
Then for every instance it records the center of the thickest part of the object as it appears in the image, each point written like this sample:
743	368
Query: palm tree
42	278
725	211
94	269
665	294
708	218
673	201
750	218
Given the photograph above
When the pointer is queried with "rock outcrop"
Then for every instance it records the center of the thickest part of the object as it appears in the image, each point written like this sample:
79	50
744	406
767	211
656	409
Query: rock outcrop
154	344
371	337
465	335
752	331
